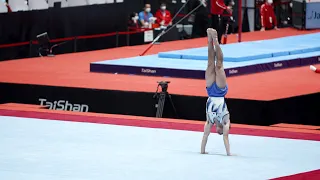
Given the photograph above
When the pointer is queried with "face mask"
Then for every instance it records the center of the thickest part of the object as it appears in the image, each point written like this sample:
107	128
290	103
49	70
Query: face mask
163	7
135	18
270	1
148	9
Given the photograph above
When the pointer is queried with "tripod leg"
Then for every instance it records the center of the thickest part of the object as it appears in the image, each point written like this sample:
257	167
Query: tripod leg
162	98
161	103
174	108
158	108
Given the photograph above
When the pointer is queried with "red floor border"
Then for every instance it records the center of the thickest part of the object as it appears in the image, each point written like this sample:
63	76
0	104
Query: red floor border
311	175
157	124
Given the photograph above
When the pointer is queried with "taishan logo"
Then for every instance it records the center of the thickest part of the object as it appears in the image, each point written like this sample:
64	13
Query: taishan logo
233	71
314	15
277	65
148	71
64	105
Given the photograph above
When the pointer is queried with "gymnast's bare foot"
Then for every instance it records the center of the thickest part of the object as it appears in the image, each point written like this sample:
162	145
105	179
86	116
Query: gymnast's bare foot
212	35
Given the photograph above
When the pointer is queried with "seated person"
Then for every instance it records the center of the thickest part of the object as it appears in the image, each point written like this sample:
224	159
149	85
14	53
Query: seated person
145	17
163	16
133	23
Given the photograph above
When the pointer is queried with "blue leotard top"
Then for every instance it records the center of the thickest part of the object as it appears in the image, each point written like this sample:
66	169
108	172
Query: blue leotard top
215	91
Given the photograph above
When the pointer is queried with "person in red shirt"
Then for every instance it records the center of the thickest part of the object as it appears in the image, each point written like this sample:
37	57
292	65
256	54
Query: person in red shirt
268	17
9	8
216	10
163	16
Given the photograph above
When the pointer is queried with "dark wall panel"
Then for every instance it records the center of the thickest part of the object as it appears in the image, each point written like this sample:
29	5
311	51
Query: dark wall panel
298	110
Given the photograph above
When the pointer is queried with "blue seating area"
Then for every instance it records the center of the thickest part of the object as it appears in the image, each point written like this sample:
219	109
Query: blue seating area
240	58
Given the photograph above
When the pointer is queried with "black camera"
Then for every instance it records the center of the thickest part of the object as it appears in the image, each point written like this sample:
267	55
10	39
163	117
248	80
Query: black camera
164	85
163	82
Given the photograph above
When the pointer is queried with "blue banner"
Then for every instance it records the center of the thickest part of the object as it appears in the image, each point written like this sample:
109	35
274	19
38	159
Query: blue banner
313	15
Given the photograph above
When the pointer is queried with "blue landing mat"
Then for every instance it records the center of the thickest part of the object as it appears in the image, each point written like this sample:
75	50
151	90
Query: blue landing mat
248	51
155	66
153	61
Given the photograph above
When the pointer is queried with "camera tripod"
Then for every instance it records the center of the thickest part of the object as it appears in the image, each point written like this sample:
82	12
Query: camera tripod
162	96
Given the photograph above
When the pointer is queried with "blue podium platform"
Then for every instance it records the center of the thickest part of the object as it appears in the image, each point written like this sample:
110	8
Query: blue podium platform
239	58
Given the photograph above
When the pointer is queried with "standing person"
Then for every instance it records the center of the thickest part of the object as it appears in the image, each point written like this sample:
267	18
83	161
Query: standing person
163	16
216	10
216	85
268	17
7	5
227	19
200	24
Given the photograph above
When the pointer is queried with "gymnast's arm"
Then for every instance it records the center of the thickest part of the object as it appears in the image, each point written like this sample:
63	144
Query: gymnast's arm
226	129
207	129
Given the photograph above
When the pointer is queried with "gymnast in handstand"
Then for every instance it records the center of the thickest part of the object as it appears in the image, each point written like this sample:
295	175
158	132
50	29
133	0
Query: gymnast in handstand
216	84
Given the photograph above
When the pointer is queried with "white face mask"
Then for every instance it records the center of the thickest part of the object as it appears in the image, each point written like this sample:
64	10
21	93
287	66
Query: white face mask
270	1
163	7
148	9
135	18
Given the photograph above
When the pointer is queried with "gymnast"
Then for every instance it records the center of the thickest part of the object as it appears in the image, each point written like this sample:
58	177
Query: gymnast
216	84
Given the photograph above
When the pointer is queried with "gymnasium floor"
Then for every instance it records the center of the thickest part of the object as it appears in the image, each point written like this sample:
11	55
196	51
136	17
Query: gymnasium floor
42	144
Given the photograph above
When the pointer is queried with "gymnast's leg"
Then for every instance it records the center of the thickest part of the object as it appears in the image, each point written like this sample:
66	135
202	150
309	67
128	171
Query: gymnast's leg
221	78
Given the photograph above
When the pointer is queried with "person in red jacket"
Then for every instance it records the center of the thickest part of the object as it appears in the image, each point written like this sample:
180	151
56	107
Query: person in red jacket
268	17
216	10
163	16
9	8
314	69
